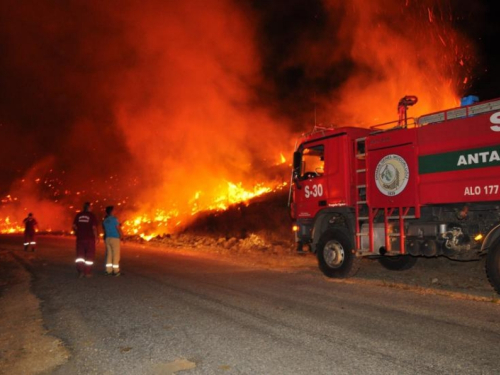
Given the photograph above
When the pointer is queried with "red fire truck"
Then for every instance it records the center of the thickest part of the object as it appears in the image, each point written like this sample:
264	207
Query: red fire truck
427	186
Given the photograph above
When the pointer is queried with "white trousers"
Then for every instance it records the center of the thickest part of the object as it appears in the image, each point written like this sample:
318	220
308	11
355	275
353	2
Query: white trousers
112	255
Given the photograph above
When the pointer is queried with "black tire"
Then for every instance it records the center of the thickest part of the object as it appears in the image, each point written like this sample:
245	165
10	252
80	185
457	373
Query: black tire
398	262
336	256
493	266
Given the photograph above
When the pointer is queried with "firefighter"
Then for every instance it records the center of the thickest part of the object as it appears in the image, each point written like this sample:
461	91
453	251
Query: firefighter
85	227
112	235
30	224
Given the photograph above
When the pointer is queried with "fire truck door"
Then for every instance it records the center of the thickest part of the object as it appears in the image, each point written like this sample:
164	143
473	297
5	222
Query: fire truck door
312	194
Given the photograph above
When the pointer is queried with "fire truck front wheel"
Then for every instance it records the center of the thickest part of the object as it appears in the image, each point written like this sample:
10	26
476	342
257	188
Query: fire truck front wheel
493	266
335	254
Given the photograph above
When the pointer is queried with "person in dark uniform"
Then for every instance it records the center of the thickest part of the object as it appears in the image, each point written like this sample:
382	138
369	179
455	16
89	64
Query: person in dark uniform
85	227
30	226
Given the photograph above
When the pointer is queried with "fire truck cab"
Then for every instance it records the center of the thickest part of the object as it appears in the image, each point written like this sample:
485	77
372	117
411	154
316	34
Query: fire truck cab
427	187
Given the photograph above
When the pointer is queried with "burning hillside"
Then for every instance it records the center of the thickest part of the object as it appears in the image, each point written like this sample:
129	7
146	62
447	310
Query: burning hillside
170	109
56	207
240	228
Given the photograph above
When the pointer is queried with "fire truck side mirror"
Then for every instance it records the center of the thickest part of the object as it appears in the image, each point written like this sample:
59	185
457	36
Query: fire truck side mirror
297	160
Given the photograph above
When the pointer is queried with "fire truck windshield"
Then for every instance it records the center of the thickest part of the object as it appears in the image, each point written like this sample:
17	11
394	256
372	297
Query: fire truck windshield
313	161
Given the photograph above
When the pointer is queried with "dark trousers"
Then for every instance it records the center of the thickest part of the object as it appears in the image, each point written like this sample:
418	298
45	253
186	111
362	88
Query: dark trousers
85	254
29	240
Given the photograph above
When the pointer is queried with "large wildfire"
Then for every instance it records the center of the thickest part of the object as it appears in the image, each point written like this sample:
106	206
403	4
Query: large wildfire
166	109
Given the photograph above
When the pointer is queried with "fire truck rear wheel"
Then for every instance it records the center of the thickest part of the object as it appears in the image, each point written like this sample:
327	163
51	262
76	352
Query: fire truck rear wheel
493	266
398	263
335	254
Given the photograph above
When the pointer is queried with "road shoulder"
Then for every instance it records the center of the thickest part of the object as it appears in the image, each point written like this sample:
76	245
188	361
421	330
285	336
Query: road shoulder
25	345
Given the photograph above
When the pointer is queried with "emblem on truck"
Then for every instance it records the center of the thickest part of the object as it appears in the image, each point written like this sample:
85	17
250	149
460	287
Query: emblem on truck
392	174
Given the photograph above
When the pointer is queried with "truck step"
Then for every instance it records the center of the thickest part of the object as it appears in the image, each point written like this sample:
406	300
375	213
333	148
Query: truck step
390	217
365	252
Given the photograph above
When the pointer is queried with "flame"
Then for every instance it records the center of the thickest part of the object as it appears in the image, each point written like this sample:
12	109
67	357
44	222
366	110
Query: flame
146	237
7	227
164	222
145	224
282	159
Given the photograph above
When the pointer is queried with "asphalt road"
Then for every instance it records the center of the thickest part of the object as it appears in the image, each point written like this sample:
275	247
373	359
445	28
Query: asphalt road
193	313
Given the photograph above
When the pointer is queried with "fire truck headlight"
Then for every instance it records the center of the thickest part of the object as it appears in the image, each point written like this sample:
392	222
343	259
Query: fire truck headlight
295	228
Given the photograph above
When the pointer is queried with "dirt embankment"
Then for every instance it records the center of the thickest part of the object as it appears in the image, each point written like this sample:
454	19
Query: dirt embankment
25	345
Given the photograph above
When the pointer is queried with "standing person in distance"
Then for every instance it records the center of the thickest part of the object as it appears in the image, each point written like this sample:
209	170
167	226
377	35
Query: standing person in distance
30	224
112	235
85	227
